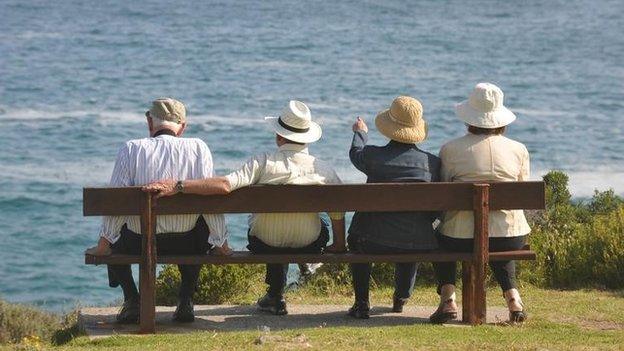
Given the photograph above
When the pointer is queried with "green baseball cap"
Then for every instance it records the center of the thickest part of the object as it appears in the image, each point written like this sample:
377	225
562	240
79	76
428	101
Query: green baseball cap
168	109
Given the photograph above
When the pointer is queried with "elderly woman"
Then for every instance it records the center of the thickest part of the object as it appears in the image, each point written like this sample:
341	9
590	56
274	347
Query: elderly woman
483	154
392	232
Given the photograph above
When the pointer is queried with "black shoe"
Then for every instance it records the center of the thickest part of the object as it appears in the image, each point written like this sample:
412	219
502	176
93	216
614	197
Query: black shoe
445	312
517	316
129	313
397	304
184	312
275	305
360	310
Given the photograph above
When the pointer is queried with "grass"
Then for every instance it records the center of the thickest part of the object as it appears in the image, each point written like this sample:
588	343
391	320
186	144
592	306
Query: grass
559	320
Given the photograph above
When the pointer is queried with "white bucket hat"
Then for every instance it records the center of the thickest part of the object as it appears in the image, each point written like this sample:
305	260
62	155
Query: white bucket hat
295	123
484	108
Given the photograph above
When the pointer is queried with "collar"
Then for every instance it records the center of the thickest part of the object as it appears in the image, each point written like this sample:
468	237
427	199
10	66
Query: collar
164	132
399	144
294	147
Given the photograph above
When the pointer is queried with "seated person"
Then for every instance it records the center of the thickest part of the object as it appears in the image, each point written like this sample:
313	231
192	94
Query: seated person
392	232
165	153
483	154
285	233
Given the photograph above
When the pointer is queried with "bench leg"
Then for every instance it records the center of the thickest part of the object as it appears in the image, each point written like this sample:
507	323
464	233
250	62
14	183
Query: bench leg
473	293
147	272
468	293
147	284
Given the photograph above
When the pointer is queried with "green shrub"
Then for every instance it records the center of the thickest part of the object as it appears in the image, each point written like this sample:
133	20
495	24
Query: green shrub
217	283
25	324
577	244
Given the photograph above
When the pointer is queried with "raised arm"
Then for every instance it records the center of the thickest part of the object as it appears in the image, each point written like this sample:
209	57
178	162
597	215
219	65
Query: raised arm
360	137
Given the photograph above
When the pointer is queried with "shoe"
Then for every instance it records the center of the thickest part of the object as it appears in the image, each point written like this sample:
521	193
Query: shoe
184	313
397	304
513	301
274	305
360	310
517	316
129	313
446	311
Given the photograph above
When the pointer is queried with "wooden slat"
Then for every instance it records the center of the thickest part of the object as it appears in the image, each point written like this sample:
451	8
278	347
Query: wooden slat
245	257
111	201
315	198
517	195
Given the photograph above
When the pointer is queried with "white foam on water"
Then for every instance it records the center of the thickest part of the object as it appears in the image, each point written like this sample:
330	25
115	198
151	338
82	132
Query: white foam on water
540	113
29	34
94	172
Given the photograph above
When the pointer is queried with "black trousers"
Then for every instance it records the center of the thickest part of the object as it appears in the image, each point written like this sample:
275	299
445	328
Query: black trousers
504	271
276	273
404	273
193	242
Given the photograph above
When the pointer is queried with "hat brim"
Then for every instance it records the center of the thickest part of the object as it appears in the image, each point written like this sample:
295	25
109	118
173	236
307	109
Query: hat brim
399	132
312	135
493	119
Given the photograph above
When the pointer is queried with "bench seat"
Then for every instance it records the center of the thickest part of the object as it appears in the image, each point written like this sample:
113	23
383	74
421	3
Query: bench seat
246	257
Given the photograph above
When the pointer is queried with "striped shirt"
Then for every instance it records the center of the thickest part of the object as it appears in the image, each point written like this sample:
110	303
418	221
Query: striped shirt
143	161
290	164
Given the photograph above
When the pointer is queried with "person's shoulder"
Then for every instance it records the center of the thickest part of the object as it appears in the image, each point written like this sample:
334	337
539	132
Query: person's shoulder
190	141
516	145
453	144
136	143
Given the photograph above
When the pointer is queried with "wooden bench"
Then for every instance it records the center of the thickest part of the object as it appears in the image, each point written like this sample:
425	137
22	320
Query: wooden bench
319	198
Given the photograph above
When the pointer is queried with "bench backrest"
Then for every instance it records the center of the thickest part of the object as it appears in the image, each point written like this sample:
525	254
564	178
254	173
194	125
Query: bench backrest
316	198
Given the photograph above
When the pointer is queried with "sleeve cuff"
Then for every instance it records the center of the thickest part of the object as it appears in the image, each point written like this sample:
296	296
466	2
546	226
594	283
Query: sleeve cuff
232	178
217	240
111	238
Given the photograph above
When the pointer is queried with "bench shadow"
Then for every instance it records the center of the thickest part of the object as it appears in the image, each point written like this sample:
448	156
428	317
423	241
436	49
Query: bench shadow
249	318
236	318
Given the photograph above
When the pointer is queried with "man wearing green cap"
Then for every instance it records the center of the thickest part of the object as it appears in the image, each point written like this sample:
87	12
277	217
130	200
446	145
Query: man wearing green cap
141	161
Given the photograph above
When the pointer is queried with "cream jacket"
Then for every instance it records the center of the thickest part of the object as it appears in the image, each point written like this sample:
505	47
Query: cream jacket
484	158
290	164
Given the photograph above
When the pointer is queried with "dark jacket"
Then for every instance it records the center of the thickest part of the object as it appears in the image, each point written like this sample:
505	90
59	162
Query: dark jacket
393	163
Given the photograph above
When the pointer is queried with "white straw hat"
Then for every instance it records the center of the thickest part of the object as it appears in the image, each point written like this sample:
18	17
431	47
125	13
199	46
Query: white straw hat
484	108
295	123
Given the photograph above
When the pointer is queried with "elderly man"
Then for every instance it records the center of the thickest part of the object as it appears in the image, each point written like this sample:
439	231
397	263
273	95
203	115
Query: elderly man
291	163
164	154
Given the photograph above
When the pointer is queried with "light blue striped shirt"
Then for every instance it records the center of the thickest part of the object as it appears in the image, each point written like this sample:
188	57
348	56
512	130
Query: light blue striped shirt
142	161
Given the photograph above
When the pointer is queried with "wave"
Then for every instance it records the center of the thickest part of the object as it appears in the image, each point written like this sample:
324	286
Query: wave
540	113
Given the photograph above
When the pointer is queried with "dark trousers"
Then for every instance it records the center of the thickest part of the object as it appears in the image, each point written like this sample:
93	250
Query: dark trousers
193	242
404	273
504	271
276	273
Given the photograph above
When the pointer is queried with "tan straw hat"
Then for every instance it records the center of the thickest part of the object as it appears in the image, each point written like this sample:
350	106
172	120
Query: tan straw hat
295	123
484	108
168	109
403	121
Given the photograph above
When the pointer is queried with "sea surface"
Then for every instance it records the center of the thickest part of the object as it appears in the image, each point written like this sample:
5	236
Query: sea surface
77	76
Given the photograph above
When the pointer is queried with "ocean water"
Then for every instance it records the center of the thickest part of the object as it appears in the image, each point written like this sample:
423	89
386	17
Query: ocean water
76	78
